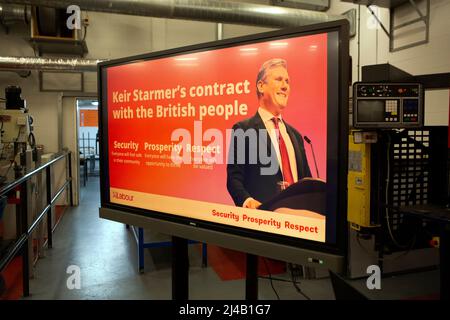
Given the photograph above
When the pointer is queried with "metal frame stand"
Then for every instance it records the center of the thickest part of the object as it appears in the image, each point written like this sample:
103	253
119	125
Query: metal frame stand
251	278
425	18
138	234
180	272
180	269
444	250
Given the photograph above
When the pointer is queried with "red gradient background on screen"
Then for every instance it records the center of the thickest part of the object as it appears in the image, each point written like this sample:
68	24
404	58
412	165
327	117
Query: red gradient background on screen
306	110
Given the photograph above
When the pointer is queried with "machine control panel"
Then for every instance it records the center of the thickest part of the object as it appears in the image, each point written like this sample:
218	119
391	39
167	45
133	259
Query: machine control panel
387	105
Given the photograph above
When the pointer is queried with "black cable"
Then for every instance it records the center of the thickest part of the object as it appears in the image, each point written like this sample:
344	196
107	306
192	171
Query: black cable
3	148
387	209
1	155
15	155
85	33
18	135
295	283
411	246
1	152
13	160
270	277
31	140
278	279
9	168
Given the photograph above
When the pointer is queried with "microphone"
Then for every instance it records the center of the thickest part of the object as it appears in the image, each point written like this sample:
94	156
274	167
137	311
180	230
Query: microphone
314	156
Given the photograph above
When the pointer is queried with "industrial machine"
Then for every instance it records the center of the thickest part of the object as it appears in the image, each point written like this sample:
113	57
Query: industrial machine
359	183
16	133
394	161
387	105
19	155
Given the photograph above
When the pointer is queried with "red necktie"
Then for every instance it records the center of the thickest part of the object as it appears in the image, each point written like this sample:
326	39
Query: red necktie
286	167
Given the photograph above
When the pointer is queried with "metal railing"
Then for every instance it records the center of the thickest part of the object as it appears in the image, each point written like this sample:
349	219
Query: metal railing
89	145
89	155
24	230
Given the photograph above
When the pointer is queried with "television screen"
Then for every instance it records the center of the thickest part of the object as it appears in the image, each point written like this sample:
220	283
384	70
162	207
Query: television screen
245	136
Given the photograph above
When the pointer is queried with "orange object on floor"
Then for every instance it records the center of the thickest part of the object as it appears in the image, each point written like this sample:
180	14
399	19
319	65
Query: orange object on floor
59	212
12	274
13	280
231	265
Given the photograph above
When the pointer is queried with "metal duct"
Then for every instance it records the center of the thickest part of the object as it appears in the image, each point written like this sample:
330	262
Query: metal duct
47	64
12	13
198	10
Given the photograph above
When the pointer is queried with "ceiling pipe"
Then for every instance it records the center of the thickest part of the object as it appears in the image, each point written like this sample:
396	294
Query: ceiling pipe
198	10
48	64
13	13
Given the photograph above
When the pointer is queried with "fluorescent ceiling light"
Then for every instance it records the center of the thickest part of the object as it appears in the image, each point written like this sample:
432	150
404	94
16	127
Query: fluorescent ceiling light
186	59
278	44
270	10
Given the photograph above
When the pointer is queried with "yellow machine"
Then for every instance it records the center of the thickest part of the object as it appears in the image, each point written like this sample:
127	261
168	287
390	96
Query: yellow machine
358	214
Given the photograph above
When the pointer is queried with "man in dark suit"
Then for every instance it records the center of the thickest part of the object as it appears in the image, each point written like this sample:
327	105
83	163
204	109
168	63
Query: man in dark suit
266	154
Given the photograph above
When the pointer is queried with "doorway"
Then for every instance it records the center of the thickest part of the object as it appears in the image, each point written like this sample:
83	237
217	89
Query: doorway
88	139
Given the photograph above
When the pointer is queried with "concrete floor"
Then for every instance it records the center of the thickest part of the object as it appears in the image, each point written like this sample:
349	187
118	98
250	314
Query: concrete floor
106	254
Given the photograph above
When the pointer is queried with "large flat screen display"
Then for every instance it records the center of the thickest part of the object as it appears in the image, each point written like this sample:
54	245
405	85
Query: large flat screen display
245	136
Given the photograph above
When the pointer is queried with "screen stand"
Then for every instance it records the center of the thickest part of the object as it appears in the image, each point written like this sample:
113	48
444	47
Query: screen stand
180	269
251	278
444	248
